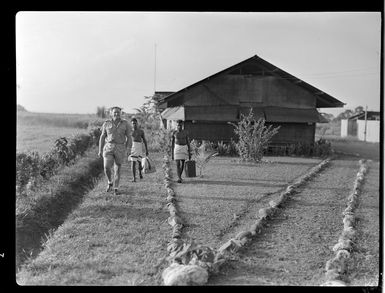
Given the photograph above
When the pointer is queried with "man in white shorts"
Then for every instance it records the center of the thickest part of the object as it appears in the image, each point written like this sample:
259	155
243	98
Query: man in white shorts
113	144
180	148
136	155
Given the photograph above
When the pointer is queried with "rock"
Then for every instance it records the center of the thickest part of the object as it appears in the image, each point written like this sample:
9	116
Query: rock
243	234
174	220
170	192
226	246
343	254
290	189
348	233
176	234
256	227
344	244
273	204
334	283
184	275
283	197
334	264
348	221
332	274
171	199
172	210
265	213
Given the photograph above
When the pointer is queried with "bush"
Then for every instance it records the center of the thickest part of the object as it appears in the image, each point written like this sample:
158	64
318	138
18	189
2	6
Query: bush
253	137
31	169
319	148
202	153
160	140
27	167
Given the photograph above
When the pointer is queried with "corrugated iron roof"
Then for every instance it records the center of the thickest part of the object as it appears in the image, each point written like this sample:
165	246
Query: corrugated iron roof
323	99
173	113
361	115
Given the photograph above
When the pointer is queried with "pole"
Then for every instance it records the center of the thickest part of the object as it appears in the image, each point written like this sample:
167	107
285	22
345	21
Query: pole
366	119
155	71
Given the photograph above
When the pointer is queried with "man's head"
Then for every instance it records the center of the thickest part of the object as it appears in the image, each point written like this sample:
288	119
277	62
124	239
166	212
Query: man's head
179	124
134	123
115	112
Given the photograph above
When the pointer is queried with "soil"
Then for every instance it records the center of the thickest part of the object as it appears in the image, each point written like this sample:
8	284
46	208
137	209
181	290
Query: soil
293	248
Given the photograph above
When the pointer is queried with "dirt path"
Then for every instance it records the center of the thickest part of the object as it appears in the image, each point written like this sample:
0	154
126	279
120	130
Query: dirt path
295	246
116	240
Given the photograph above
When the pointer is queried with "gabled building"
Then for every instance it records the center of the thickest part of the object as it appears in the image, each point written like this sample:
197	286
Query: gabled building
275	95
364	126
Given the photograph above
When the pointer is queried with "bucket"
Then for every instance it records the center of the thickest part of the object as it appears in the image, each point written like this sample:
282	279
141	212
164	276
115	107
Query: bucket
190	169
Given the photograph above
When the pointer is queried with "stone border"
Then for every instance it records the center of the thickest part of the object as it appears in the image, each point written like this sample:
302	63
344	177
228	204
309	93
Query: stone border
196	272
336	266
264	214
174	220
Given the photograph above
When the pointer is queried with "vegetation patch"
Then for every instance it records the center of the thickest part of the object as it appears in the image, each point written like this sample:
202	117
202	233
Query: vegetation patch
42	211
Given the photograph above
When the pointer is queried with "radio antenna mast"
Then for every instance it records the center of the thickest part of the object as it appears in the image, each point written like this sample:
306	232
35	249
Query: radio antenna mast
155	70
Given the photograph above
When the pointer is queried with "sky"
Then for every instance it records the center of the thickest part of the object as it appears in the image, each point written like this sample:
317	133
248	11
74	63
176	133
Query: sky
74	62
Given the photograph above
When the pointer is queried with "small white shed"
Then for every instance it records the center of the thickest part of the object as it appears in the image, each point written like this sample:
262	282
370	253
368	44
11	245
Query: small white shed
365	129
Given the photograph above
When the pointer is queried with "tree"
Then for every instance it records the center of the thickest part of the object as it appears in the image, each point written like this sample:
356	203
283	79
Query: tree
101	112
358	110
20	108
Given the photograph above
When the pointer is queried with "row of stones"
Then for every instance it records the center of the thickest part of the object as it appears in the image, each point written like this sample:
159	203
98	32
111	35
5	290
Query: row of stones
174	219
193	274
264	214
336	267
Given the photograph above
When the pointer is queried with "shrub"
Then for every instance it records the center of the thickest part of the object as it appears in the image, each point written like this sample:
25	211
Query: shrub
222	148
27	167
319	148
202	153
31	169
253	137
160	140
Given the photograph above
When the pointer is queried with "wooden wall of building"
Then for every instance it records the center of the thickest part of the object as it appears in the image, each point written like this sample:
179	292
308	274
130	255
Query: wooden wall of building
289	133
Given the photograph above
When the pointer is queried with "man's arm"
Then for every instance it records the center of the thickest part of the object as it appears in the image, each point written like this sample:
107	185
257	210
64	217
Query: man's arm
145	142
128	139
188	147
101	141
172	146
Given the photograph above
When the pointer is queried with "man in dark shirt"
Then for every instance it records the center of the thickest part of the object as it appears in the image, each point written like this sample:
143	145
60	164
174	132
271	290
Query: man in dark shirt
180	148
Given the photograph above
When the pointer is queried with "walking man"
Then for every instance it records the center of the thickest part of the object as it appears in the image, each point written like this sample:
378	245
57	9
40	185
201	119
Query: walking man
138	139
113	144
180	148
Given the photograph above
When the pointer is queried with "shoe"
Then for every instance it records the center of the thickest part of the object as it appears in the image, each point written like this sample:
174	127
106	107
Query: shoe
133	180
140	176
179	181
115	191
109	187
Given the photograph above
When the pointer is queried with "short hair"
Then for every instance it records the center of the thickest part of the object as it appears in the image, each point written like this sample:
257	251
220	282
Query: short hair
134	120
115	107
179	122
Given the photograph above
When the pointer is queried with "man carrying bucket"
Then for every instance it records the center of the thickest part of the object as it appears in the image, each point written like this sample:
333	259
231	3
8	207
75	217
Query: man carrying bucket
137	149
180	149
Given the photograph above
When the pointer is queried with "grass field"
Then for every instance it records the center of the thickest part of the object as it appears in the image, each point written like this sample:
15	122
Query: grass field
41	138
38	131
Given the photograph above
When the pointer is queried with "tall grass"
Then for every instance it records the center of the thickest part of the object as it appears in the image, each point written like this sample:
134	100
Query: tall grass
81	121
